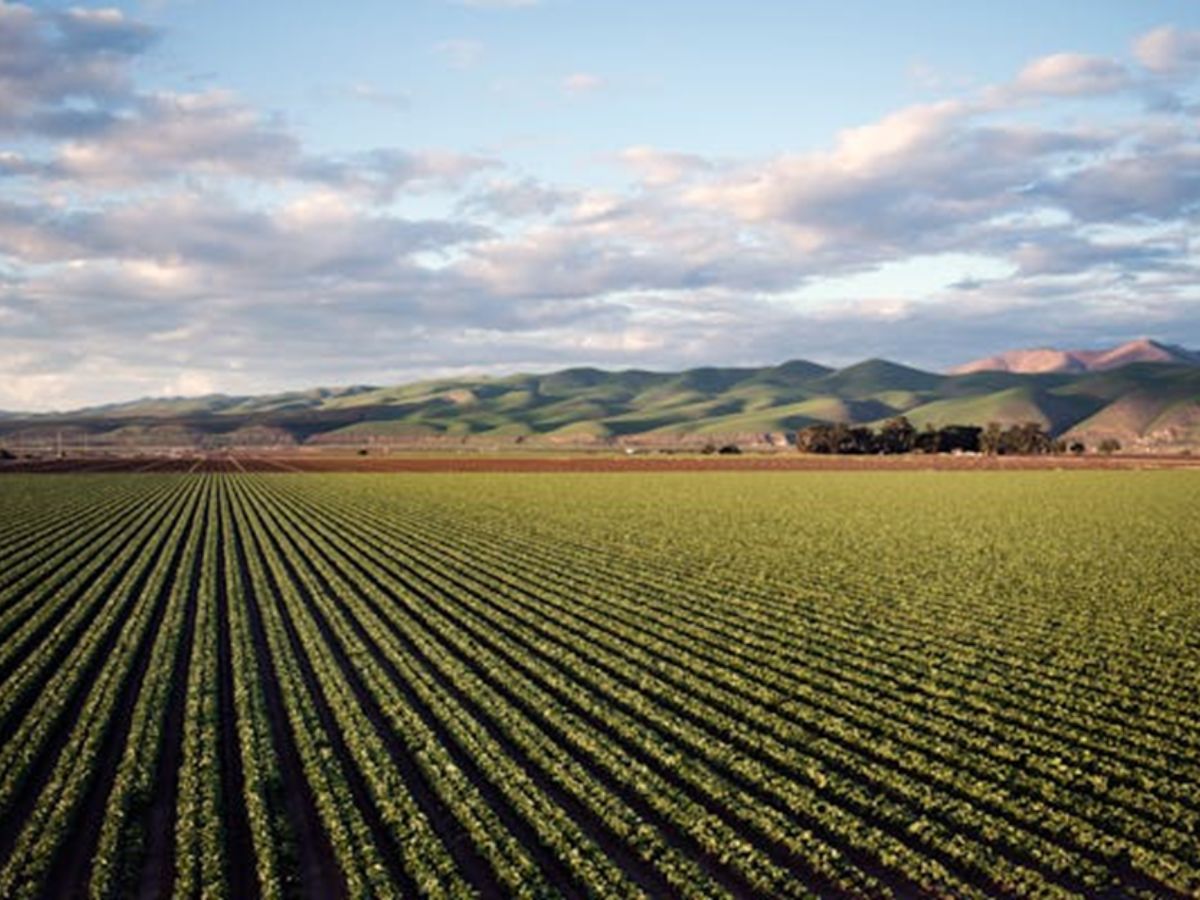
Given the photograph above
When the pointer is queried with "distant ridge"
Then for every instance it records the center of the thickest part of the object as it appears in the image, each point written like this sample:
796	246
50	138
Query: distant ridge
1048	359
1144	394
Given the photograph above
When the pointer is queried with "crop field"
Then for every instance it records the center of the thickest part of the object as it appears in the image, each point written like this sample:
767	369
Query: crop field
689	684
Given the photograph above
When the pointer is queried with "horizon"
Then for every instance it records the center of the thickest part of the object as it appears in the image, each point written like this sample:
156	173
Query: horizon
204	199
488	376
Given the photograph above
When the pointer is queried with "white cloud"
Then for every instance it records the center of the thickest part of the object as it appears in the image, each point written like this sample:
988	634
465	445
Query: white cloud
508	198
1168	50
657	168
1158	183
204	133
896	136
191	241
379	175
1072	74
48	59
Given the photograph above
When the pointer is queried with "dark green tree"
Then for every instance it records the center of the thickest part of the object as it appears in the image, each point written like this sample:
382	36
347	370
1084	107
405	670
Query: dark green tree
815	439
835	438
897	436
1027	439
963	438
991	440
926	440
853	440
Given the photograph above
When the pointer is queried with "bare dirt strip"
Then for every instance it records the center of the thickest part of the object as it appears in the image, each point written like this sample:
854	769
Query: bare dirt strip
594	462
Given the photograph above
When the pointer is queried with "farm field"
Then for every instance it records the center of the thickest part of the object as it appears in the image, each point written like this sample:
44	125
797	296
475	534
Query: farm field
692	684
577	461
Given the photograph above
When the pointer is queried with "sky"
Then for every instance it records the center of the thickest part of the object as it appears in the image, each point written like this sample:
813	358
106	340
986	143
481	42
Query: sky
203	196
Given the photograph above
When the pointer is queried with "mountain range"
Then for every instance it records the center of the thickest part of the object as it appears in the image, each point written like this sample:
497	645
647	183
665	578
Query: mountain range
1144	404
1048	359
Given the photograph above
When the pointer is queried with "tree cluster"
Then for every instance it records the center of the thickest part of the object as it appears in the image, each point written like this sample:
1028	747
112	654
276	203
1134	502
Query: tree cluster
898	435
1019	440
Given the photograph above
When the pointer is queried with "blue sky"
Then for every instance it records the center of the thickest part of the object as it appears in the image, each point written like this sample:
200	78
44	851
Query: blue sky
719	78
214	196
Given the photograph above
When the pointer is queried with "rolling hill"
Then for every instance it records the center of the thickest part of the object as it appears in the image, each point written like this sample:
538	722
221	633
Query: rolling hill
1142	404
1048	359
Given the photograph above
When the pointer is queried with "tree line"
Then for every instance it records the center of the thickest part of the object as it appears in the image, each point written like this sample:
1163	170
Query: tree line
899	435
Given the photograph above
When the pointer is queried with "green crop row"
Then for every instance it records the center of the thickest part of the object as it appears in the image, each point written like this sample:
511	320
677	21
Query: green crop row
54	820
743	684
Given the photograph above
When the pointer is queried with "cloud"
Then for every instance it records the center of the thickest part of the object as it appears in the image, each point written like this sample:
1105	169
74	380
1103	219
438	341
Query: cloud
582	83
508	198
215	135
66	78
460	53
657	168
1159	185
1068	254
157	241
379	175
102	31
49	60
608	244
226	242
14	164
1072	75
1168	50
928	179
904	179
163	134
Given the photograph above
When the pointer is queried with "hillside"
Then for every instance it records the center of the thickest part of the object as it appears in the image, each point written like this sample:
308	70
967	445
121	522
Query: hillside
1147	405
1048	359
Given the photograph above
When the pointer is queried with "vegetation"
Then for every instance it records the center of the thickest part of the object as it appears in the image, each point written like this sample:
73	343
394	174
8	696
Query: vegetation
766	684
948	439
1026	439
1141	402
897	435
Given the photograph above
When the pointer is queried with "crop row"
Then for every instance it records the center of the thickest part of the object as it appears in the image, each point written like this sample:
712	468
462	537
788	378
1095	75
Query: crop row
253	685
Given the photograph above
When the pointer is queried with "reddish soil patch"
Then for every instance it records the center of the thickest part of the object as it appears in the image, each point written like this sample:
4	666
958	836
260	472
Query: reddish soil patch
586	462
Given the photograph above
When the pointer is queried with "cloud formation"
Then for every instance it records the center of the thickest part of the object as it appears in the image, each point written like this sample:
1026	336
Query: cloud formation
1072	74
1168	50
161	242
662	167
52	60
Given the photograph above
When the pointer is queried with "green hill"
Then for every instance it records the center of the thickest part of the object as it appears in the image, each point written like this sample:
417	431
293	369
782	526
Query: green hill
1144	404
1021	403
876	376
